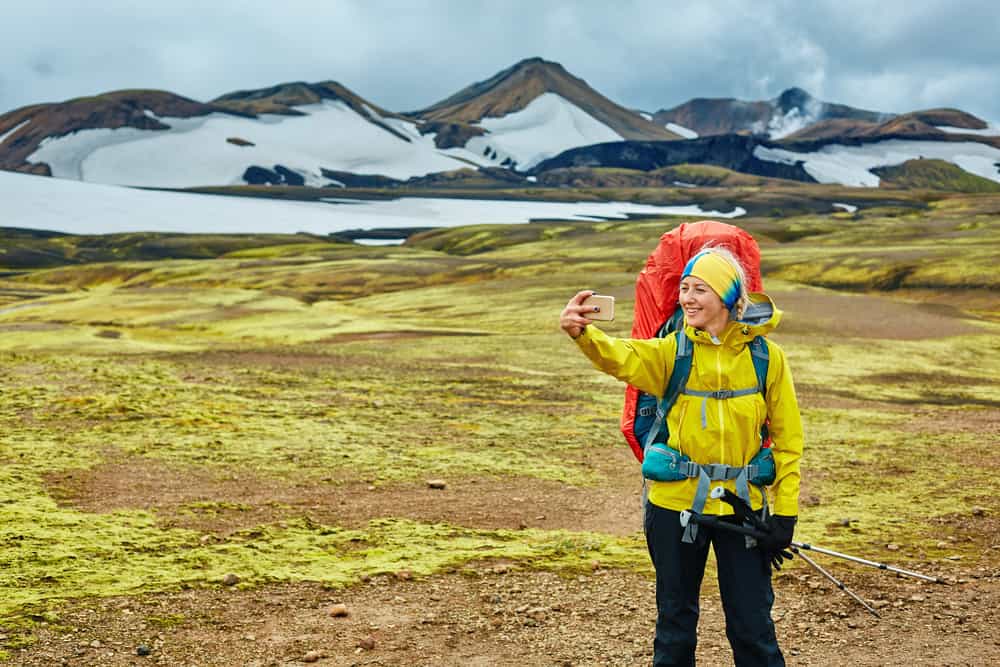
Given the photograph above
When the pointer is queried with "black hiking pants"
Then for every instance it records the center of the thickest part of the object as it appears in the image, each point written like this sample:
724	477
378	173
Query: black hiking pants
744	584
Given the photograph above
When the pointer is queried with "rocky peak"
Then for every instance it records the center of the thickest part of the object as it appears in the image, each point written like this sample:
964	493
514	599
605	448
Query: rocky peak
794	98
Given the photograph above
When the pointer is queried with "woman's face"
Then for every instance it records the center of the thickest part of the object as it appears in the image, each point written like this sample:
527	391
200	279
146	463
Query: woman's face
703	309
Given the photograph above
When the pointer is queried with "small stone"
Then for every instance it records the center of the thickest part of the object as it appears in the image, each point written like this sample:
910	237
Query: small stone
892	546
978	511
538	613
95	644
142	650
436	484
371	487
917	598
205	539
339	610
312	656
368	643
595	565
230	579
404	575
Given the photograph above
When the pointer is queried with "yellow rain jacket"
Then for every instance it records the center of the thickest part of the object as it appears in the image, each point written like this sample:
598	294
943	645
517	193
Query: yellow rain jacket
730	433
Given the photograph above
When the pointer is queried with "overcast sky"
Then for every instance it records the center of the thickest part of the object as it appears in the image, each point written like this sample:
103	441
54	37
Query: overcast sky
885	55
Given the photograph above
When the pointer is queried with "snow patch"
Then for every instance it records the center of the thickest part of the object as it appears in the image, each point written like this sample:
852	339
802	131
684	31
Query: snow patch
845	207
549	125
851	165
38	202
645	115
681	130
991	130
3	137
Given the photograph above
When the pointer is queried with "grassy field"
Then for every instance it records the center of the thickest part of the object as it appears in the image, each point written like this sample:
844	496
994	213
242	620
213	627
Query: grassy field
276	411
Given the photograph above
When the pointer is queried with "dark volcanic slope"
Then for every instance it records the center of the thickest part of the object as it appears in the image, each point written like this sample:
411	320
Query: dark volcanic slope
731	151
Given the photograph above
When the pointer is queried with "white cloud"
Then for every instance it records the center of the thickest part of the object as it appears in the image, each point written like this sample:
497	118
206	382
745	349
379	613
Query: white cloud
408	54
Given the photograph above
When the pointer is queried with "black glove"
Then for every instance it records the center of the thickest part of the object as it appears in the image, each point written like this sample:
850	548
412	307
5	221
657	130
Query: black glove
778	539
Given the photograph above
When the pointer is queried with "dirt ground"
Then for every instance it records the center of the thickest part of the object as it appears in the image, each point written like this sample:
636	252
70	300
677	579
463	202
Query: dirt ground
489	613
495	614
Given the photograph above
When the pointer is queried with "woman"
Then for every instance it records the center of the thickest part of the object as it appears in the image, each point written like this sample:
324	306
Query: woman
709	430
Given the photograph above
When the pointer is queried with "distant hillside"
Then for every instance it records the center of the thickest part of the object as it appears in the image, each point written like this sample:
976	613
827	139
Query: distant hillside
22	249
933	175
680	176
791	111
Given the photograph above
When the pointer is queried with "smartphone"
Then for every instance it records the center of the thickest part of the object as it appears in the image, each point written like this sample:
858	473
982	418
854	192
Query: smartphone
606	305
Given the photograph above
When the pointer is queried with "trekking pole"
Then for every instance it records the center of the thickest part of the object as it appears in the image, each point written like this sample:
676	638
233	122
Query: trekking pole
870	563
839	584
743	511
739	508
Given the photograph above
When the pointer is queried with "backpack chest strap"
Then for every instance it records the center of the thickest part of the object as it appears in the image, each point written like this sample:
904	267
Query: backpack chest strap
720	395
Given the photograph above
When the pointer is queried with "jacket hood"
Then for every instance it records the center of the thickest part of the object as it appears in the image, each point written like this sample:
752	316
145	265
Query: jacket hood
759	319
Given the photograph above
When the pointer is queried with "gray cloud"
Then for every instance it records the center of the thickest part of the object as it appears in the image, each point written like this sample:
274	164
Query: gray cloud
890	56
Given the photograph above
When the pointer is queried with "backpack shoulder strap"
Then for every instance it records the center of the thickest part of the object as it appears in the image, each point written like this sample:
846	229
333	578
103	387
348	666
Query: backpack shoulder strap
678	378
761	358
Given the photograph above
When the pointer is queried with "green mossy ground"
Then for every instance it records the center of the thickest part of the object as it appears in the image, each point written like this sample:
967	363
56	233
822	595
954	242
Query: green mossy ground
306	361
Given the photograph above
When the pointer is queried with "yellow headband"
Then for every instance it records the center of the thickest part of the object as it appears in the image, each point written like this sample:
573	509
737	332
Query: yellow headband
718	273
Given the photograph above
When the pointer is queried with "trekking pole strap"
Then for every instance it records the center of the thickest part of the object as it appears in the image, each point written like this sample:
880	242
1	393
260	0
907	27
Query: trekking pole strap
706	474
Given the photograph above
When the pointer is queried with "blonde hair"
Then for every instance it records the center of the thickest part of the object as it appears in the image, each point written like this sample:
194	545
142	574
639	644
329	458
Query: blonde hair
743	302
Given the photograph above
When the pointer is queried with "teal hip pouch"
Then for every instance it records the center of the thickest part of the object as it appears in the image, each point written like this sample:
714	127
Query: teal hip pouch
662	463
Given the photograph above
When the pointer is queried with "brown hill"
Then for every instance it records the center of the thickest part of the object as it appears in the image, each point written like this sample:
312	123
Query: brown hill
917	125
834	128
28	126
949	118
514	88
710	116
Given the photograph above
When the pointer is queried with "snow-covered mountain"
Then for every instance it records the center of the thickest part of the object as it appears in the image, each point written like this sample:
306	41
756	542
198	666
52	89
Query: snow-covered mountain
292	134
530	117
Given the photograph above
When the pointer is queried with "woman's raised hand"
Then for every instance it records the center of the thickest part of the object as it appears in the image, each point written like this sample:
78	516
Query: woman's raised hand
572	318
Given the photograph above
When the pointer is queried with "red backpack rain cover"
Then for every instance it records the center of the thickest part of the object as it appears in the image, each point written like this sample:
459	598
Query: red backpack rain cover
657	287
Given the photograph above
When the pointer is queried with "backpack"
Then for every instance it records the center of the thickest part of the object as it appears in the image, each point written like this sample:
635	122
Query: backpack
657	313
